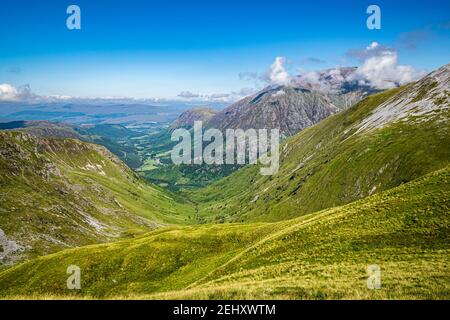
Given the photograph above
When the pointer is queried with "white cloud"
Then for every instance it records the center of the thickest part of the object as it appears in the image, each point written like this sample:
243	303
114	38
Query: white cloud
188	95
279	93
217	97
381	70
277	73
330	80
378	68
8	92
12	93
374	49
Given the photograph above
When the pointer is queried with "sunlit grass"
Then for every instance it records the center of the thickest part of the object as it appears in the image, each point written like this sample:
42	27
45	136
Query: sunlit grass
324	255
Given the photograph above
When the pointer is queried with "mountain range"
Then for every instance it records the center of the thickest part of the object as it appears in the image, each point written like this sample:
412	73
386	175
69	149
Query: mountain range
387	139
369	184
292	108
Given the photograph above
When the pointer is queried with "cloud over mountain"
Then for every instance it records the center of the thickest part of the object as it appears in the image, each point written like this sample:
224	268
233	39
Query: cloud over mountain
277	73
380	69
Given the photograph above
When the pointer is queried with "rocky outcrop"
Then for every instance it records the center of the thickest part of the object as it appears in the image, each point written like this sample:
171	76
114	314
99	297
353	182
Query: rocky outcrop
187	118
288	108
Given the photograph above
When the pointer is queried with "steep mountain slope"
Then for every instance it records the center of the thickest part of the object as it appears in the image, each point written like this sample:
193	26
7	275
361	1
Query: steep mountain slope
388	139
59	193
325	255
44	129
295	107
188	117
114	137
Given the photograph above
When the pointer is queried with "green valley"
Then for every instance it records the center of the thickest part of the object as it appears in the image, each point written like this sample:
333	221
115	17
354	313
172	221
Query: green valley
224	159
368	186
322	255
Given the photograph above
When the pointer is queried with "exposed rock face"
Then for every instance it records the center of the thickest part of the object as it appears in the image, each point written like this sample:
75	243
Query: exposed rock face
187	118
309	99
288	108
423	97
9	250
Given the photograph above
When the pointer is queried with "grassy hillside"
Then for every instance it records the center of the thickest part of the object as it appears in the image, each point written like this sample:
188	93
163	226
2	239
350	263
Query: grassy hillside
59	193
317	256
342	159
116	138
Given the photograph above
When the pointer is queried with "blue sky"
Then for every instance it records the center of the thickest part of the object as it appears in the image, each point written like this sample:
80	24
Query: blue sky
157	49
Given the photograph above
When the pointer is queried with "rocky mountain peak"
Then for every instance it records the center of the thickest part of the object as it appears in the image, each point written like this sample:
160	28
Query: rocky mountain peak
187	118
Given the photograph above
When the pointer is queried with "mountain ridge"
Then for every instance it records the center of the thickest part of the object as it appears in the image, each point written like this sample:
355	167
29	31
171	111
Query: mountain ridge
296	106
369	184
64	192
187	118
333	163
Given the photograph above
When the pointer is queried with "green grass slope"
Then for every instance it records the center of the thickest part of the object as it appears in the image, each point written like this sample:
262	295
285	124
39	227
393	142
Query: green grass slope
115	138
386	140
325	255
60	193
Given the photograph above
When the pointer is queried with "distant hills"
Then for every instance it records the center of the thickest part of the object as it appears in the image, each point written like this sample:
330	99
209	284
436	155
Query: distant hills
63	130
131	113
44	129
